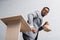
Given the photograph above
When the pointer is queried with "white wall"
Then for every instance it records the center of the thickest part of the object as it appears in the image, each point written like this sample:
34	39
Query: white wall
23	7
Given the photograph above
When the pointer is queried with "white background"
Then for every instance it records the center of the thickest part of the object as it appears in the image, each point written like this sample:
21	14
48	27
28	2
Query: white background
23	7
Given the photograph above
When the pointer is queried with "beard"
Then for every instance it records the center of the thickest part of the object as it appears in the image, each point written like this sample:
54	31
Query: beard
43	14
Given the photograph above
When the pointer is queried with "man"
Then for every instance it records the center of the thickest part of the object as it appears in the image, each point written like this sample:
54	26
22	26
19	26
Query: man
35	22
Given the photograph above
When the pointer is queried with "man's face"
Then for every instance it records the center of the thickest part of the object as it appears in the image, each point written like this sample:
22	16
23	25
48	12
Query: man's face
44	12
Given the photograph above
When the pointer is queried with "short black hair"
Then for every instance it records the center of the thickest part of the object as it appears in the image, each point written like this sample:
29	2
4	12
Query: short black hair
46	7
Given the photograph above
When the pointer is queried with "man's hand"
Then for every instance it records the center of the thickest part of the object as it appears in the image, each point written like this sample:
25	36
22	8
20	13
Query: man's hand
33	29
46	27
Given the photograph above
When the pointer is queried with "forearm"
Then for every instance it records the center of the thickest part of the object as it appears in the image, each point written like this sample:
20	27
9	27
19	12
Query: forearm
41	28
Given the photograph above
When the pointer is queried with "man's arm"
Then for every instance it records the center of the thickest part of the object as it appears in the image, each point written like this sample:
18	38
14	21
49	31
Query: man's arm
30	21
45	27
41	28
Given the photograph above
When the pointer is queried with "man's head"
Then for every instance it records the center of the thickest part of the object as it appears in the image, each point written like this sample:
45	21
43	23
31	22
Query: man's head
45	11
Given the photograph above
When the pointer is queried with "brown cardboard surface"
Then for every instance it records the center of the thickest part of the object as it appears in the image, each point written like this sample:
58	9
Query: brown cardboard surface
15	25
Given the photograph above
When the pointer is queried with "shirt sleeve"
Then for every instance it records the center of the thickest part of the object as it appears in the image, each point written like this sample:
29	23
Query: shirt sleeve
41	28
30	19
